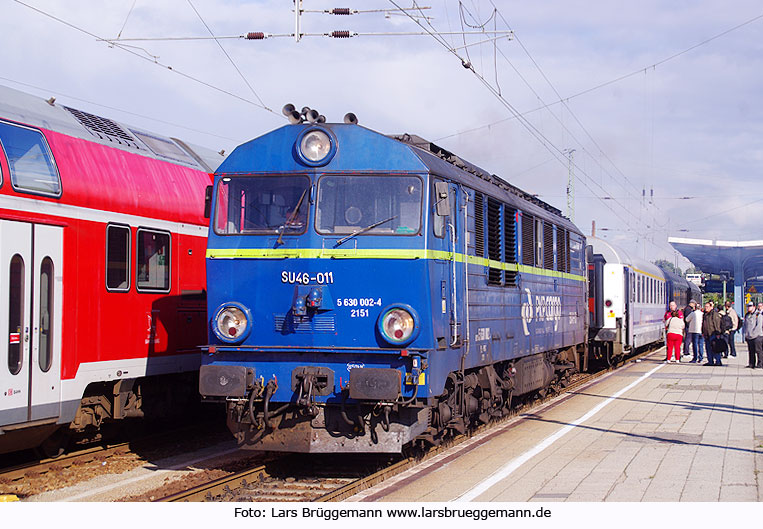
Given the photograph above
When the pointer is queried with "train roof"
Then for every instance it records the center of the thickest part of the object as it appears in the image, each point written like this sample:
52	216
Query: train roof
47	114
615	255
373	151
431	149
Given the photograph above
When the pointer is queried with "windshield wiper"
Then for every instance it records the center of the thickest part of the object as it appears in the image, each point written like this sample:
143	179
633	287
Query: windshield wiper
291	217
363	230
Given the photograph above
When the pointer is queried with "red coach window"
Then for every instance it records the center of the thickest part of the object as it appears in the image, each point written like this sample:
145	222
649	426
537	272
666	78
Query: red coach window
153	261
117	258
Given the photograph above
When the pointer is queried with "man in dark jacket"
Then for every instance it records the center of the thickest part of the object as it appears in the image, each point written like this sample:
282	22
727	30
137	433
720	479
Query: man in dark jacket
711	331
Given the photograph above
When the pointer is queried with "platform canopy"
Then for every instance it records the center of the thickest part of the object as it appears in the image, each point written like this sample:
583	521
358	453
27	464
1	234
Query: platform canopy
740	260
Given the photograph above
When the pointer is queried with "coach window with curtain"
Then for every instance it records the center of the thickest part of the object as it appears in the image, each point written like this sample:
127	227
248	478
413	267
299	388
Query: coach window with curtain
153	261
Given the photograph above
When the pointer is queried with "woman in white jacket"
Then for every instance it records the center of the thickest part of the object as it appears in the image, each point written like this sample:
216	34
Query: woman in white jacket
675	325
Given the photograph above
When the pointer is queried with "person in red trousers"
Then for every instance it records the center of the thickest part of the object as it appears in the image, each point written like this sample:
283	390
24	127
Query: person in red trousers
674	326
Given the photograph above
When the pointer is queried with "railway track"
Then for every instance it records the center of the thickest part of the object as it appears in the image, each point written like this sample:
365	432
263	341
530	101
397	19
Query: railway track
318	478
11	477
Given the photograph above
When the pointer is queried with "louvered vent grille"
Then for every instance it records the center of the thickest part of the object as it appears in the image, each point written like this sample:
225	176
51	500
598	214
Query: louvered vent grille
528	243
509	244
548	246
287	324
479	226
103	128
494	275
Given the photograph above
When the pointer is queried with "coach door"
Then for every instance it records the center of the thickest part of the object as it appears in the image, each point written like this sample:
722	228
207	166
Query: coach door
30	321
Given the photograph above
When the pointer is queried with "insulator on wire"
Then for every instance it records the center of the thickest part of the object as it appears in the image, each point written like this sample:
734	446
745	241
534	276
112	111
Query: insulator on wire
341	11
255	35
340	34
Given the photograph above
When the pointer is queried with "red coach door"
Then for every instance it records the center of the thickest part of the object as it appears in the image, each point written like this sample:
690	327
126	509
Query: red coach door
45	376
30	321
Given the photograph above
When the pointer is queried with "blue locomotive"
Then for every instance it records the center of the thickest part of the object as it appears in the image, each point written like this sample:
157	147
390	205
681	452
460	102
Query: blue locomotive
367	291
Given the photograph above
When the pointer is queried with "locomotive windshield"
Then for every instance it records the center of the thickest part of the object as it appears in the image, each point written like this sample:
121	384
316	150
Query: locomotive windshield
374	205
262	204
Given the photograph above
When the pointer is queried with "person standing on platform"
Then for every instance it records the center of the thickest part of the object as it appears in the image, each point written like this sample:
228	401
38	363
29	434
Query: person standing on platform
674	326
688	309
694	326
672	308
729	325
753	335
711	332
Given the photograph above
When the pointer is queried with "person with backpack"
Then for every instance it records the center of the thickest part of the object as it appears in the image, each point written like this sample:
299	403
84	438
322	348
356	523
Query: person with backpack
711	332
729	325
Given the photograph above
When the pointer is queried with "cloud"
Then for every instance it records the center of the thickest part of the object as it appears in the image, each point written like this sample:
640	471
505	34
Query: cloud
689	127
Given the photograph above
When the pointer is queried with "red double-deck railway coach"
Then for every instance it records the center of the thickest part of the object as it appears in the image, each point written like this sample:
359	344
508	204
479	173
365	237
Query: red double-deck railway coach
102	278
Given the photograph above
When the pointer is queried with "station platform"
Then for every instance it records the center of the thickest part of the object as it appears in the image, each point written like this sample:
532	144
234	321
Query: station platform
649	431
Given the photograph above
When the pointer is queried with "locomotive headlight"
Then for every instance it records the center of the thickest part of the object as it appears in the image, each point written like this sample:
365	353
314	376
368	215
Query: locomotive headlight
231	323
398	324
316	147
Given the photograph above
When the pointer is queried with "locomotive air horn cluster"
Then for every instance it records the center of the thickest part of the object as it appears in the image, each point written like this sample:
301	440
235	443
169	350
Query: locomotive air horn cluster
311	115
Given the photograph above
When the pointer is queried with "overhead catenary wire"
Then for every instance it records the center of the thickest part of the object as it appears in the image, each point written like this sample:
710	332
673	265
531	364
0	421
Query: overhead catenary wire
153	60
566	106
555	151
259	35
230	59
611	81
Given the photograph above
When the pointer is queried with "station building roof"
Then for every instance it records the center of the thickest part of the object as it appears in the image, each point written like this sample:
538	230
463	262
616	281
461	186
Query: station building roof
736	258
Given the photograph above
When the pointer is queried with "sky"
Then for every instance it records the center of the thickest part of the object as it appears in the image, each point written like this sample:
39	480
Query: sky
665	125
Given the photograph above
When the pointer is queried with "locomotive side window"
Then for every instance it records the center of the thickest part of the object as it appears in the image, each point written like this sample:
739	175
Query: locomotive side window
46	315
30	161
15	314
438	221
117	258
153	261
577	258
376	205
262	205
538	242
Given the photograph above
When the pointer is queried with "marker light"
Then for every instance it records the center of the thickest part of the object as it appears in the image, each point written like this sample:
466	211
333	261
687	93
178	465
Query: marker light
231	323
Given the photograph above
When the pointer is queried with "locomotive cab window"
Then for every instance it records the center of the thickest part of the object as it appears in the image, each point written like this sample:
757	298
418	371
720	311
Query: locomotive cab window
117	258
153	261
375	205
30	161
262	205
